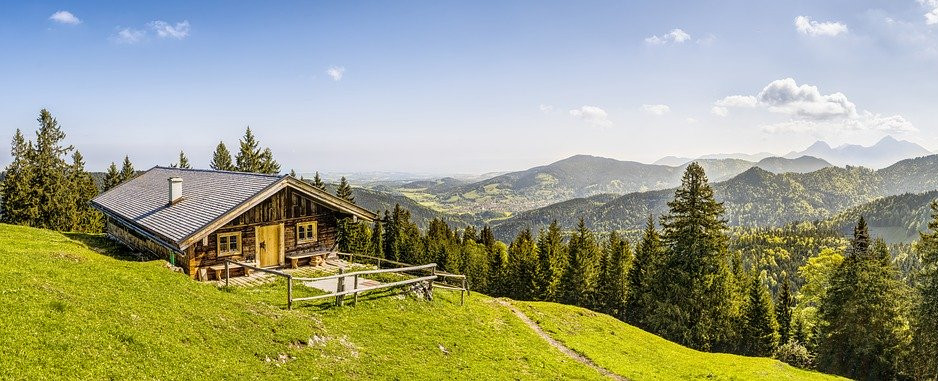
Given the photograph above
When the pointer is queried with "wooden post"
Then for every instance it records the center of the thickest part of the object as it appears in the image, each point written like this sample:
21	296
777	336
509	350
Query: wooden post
339	287
462	293
227	273
355	287
289	292
430	284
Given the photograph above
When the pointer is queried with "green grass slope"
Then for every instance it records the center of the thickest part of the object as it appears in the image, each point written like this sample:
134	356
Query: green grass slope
71	307
639	355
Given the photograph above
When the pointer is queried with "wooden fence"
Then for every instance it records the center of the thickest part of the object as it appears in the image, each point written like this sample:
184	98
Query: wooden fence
341	292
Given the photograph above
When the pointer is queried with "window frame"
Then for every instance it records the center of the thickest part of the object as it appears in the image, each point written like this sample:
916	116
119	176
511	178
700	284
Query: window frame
227	252
303	226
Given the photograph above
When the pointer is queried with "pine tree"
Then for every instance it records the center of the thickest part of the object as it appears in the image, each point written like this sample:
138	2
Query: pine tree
640	302
861	331
469	234
694	289
83	189
317	182
292	173
183	162
221	159
267	163
50	188
579	279
344	191
613	275
551	262
112	178
15	195
759	333
127	170
783	312
522	263
925	329
248	158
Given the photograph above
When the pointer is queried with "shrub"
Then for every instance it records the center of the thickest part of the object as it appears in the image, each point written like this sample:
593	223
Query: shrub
795	354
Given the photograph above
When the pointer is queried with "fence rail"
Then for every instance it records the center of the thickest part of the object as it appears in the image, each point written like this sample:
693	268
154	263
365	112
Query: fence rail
341	292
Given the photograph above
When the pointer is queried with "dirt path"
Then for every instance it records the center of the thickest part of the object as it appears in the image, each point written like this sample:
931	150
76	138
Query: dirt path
556	344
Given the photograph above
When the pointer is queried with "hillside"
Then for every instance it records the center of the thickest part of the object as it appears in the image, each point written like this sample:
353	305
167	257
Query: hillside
754	197
895	218
379	200
69	311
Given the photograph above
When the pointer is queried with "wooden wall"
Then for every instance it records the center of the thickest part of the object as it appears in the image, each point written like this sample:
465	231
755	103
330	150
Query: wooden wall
288	207
136	241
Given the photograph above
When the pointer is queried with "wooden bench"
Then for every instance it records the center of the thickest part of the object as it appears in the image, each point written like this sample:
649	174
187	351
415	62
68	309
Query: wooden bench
316	257
220	269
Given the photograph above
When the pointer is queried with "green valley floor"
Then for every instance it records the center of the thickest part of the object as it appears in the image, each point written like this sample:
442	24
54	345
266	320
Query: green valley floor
74	306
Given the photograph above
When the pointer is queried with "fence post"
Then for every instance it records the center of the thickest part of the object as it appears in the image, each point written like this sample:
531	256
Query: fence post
289	292
339	287
227	273
462	293
355	302
430	283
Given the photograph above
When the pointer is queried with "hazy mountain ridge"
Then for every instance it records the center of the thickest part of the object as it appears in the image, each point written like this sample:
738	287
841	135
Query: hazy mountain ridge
884	153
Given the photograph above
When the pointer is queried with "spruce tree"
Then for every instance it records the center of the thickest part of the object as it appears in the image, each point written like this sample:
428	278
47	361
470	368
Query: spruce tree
344	191
16	202
694	286
183	161
551	262
639	302
376	244
127	170
469	234
783	311
221	159
925	329
50	188
292	173
112	178
613	275
861	330
317	182
267	163
759	334
248	158
579	280
522	262
83	189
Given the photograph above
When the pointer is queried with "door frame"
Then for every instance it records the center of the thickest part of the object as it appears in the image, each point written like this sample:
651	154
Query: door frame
257	244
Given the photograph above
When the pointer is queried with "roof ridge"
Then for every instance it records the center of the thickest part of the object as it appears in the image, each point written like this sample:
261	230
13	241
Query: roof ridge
277	176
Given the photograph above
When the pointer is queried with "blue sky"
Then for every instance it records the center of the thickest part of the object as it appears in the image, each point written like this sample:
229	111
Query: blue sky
468	87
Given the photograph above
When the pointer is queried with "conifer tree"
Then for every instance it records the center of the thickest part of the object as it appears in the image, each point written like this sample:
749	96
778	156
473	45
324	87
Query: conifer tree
267	163
759	334
783	311
522	262
127	170
861	331
317	182
694	287
344	191
640	301
613	275
50	188
579	279
16	202
83	189
248	158
112	178
221	159
498	270
469	234
925	329
292	173
551	262
183	162
376	243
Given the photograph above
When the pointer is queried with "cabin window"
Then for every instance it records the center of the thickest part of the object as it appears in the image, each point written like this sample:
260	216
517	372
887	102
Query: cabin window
229	244
306	232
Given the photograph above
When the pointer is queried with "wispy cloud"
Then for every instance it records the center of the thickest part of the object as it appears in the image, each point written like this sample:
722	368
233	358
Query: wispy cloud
656	109
676	35
166	30
809	27
128	36
336	73
592	115
811	109
65	17
545	108
931	17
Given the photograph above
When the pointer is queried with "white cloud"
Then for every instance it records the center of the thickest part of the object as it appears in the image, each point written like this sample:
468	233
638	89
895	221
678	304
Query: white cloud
676	35
336	72
813	28
811	110
546	108
128	36
690	120
931	18
166	30
592	115
65	17
656	109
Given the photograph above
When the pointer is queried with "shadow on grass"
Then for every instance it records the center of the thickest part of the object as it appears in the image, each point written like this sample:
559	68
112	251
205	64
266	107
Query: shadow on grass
103	245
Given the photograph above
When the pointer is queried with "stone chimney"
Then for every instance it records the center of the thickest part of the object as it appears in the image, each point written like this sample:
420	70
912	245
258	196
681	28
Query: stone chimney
175	190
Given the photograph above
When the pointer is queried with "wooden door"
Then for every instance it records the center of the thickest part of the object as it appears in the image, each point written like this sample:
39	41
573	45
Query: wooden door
269	245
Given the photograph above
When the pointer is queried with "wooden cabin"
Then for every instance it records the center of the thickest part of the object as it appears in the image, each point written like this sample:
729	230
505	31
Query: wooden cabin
196	219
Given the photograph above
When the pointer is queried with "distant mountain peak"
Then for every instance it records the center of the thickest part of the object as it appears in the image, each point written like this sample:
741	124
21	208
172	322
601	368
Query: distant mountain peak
820	144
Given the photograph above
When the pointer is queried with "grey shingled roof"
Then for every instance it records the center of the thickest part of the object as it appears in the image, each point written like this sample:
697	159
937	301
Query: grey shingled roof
206	196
